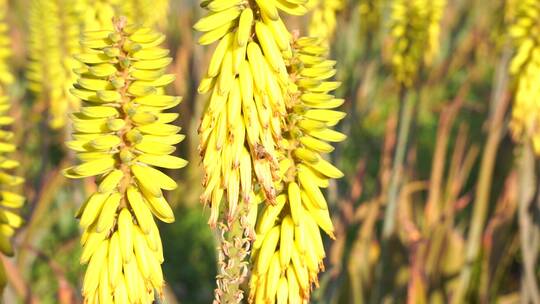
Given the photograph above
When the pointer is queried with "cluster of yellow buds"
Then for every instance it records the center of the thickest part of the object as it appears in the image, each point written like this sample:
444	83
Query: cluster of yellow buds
288	251
246	125
120	135
370	15
525	66
10	201
266	122
147	12
98	14
242	122
415	32
54	39
323	19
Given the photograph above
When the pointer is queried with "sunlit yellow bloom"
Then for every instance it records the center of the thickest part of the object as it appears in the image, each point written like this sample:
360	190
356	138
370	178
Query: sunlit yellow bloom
323	19
54	37
415	31
525	66
247	79
288	252
121	134
147	12
370	15
98	14
10	202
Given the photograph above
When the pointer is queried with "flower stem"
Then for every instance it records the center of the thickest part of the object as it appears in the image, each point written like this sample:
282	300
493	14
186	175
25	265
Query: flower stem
408	99
498	106
233	249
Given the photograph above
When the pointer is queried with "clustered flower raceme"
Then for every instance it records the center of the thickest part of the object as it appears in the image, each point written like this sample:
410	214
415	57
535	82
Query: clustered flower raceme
54	38
415	30
525	123
288	252
247	79
98	14
435	14
120	135
323	20
10	201
241	124
147	12
370	15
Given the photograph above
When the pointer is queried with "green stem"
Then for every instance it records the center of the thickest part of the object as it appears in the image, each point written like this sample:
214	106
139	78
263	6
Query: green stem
407	104
406	109
232	252
498	105
528	231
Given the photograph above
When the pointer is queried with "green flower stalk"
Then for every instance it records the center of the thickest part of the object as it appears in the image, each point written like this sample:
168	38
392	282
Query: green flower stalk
288	252
121	134
10	202
54	38
525	66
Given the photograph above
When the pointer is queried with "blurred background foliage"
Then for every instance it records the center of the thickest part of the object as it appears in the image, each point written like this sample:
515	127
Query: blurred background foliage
461	228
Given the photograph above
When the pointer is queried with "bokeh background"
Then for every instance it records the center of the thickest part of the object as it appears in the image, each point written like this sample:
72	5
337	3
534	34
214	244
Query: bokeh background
461	225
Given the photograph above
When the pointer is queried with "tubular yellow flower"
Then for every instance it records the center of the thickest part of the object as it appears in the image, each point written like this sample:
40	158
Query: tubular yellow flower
435	14
323	19
247	79
288	251
415	30
148	12
10	201
525	123
54	39
370	15
98	14
241	127
120	135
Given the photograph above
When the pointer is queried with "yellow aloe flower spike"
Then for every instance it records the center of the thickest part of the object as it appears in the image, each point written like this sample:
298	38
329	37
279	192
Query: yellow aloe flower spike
415	27
323	19
10	201
54	39
247	79
98	14
121	134
370	15
147	12
288	251
525	123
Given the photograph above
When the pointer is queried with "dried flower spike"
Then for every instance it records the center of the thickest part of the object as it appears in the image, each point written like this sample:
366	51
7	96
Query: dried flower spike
120	135
288	251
